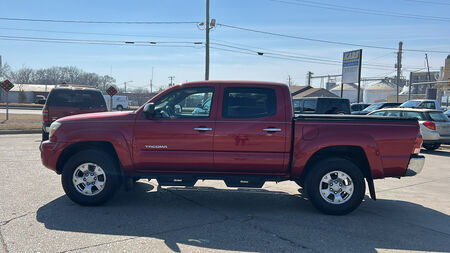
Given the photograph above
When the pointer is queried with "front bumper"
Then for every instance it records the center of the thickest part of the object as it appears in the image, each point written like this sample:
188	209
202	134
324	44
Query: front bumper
49	154
415	166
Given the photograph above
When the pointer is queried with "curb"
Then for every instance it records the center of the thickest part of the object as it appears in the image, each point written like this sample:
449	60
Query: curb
32	131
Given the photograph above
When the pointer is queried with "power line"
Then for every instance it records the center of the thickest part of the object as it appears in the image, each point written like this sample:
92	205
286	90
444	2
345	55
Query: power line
325	41
102	41
427	2
101	22
361	10
88	33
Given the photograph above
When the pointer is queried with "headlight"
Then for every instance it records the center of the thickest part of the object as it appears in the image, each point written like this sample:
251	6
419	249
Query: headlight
53	127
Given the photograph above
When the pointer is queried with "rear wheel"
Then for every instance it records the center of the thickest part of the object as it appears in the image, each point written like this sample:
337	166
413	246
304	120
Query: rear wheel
335	186
119	107
90	177
431	146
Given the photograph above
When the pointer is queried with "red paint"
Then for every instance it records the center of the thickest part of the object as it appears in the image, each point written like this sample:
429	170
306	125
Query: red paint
233	146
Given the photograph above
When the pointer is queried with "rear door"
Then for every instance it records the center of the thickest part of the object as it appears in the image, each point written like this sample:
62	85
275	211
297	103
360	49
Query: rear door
251	130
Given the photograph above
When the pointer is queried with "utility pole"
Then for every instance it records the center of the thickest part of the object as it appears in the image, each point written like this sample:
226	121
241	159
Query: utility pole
171	80
410	84
428	67
207	42
309	77
399	65
151	83
289	80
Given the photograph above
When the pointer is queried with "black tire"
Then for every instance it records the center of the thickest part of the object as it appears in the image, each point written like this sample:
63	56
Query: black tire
112	177
313	186
44	135
432	146
119	108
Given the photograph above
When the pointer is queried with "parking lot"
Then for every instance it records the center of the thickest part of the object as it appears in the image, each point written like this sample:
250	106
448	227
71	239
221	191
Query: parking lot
411	214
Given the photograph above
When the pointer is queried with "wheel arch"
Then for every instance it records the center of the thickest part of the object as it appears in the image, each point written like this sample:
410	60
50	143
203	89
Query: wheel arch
354	154
74	148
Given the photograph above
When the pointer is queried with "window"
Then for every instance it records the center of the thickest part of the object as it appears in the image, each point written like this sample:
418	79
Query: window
185	103
309	106
249	103
416	115
76	98
438	117
297	105
392	113
378	114
428	105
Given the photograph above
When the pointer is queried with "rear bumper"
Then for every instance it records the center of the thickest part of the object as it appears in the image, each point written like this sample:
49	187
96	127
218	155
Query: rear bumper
415	166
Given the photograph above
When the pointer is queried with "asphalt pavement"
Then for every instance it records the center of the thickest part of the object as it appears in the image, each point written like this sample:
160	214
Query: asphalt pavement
411	214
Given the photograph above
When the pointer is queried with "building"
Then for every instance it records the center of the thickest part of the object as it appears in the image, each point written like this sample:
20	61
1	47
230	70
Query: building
378	93
350	91
25	93
308	91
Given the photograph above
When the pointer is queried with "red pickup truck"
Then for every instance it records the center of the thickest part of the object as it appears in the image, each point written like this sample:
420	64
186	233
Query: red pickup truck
244	133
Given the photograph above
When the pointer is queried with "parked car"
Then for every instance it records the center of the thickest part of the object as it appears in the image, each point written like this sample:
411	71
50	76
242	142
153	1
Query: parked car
66	101
434	125
118	102
356	107
447	113
422	103
246	137
376	106
39	99
321	105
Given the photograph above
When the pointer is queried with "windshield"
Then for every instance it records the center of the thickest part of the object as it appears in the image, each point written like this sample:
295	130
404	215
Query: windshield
373	107
410	104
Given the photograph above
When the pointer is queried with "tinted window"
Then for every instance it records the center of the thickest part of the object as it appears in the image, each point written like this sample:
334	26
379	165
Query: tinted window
373	107
392	113
416	115
76	98
309	106
334	106
428	105
378	114
185	103
297	105
249	103
438	116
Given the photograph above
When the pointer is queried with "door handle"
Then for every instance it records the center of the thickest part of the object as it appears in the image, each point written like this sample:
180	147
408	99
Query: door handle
203	129
272	129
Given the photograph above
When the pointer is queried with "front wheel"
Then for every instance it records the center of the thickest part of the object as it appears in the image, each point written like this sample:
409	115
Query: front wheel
432	146
335	186
119	108
90	177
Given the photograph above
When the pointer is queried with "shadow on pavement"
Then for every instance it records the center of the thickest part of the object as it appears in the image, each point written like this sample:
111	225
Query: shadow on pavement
437	152
252	220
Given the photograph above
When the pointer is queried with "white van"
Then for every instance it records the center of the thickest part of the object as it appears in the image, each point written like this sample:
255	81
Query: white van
119	102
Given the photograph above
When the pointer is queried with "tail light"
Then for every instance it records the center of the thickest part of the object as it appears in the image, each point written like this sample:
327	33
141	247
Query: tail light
417	144
430	125
45	115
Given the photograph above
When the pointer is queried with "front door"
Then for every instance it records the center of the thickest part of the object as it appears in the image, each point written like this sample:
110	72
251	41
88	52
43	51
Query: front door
179	136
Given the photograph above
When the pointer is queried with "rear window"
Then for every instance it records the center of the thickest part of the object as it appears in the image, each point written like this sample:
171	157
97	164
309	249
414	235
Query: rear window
438	116
249	103
333	106
416	115
310	106
76	98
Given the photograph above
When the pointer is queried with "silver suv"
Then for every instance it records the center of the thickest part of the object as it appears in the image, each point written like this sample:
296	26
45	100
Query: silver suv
434	125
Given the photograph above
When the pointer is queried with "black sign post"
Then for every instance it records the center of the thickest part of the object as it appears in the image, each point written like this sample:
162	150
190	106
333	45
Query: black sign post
111	92
7	85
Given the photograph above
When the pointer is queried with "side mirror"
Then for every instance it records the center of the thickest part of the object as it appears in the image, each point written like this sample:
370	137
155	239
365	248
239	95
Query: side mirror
149	110
41	101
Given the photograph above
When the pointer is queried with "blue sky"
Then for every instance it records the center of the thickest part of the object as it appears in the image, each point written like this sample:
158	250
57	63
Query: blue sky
309	18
